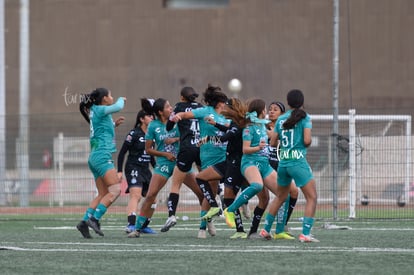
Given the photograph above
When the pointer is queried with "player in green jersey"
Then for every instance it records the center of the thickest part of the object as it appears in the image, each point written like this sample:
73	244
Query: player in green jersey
293	130
97	109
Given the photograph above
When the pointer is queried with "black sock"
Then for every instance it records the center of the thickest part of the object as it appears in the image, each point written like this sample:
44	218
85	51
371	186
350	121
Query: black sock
132	219
146	223
238	220
208	194
292	204
172	203
257	216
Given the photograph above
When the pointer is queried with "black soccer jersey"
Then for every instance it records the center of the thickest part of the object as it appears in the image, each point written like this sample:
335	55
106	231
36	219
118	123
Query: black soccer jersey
235	141
189	128
273	159
134	144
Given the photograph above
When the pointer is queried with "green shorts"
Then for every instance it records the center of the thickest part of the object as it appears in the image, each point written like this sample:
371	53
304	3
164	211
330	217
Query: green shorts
264	167
100	162
164	168
301	173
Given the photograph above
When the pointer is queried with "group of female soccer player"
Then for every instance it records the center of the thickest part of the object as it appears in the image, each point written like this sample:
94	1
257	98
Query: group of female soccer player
228	140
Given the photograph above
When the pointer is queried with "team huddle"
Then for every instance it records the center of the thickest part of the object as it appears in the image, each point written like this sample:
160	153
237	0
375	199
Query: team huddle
251	148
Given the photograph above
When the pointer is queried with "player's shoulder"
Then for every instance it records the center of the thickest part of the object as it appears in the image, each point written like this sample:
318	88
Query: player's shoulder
153	124
187	106
196	105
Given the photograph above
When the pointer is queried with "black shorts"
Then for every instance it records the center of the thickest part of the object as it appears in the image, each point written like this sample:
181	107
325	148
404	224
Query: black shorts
274	164
138	176
186	157
233	177
220	168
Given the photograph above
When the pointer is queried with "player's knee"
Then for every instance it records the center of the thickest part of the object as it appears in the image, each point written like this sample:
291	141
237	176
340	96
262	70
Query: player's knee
115	191
257	187
294	192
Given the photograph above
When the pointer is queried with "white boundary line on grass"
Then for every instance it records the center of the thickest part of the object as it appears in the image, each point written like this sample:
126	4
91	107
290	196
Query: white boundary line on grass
201	248
189	227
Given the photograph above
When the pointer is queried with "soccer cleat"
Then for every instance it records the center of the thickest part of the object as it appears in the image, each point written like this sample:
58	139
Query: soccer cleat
246	211
214	211
211	228
129	228
265	235
283	236
307	239
202	234
84	229
171	221
148	230
230	218
239	235
95	225
134	234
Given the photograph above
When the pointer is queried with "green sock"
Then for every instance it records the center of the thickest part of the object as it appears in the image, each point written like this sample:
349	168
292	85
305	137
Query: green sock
203	223
282	216
307	225
245	196
140	222
269	222
100	211
89	213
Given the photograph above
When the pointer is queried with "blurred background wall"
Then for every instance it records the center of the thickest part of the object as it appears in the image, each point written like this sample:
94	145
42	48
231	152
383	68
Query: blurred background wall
143	48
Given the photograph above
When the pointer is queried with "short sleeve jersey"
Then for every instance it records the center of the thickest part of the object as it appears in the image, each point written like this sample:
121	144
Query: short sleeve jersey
102	129
158	133
189	128
255	133
135	141
214	151
292	147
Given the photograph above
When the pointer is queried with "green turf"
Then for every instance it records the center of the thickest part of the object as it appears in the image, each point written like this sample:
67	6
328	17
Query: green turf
50	245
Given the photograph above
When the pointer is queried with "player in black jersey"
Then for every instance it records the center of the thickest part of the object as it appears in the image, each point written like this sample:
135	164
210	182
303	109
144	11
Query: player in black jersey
188	153
137	171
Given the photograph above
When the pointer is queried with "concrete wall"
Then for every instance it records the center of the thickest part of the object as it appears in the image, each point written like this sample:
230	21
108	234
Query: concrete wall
139	48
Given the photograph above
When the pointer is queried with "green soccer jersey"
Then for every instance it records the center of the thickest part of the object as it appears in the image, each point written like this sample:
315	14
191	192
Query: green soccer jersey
292	147
158	133
214	151
102	129
255	133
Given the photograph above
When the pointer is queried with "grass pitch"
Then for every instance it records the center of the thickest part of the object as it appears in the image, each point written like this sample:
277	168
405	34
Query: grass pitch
52	245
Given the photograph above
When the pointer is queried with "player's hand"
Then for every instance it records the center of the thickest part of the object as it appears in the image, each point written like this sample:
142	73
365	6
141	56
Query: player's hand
210	120
119	121
202	141
170	157
262	144
175	118
119	174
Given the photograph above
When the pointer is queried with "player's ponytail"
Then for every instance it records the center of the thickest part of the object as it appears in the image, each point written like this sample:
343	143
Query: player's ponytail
153	107
213	95
189	94
146	105
87	100
295	100
140	115
236	111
